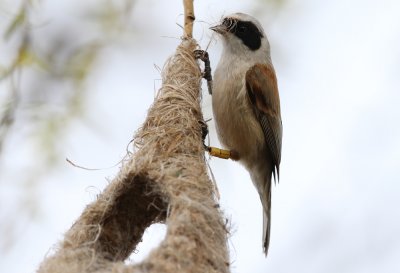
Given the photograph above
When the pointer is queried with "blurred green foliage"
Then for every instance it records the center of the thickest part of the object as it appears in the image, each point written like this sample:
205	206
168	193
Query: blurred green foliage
45	64
66	60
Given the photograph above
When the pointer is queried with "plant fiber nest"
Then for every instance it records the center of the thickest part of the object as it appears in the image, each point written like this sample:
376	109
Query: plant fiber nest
164	180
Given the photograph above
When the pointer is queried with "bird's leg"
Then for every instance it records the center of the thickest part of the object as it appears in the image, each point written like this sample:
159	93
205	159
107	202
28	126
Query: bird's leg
203	55
217	152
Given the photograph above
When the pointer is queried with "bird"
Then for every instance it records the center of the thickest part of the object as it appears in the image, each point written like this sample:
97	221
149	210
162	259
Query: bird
246	105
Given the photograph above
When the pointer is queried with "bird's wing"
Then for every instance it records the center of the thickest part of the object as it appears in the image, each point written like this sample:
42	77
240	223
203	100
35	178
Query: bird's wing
262	90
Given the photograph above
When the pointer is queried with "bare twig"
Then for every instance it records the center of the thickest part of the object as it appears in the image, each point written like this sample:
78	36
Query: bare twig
189	18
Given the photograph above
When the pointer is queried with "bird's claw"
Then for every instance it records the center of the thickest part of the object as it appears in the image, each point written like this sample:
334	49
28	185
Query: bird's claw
217	152
204	131
203	55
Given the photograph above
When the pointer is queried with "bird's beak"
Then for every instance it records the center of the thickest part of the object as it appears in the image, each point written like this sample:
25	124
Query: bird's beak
221	29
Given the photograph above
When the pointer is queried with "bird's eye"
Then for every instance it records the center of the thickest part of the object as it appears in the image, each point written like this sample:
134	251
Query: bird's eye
227	22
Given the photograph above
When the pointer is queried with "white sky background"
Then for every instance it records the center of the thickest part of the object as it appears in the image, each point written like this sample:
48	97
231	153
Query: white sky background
336	208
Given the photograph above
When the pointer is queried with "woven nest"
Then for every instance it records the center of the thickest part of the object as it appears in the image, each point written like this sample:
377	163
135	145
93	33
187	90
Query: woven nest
165	180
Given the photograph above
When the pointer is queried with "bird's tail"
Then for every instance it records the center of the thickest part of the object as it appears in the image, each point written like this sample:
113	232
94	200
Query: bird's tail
266	231
266	202
261	177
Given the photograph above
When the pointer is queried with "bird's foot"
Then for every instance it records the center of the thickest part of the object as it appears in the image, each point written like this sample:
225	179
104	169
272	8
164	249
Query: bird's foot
203	55
217	152
204	130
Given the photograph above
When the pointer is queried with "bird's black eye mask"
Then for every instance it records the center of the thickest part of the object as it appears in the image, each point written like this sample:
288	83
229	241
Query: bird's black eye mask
245	31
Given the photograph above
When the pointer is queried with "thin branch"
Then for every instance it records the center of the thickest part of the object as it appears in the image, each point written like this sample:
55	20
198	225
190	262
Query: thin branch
189	18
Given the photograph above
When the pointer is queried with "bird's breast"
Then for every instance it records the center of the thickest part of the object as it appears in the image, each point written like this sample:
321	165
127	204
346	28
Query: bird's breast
237	126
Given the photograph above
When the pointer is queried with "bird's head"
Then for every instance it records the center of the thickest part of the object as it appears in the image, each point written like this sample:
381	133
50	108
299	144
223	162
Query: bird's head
242	34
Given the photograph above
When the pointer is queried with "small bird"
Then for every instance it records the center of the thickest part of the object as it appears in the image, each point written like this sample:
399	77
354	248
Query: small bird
246	105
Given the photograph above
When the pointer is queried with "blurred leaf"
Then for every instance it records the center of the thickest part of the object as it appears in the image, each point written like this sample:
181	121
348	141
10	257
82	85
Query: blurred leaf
112	16
107	15
25	57
28	58
18	21
81	63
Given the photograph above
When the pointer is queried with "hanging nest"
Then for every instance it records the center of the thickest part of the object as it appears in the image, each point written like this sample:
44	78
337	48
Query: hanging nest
165	180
